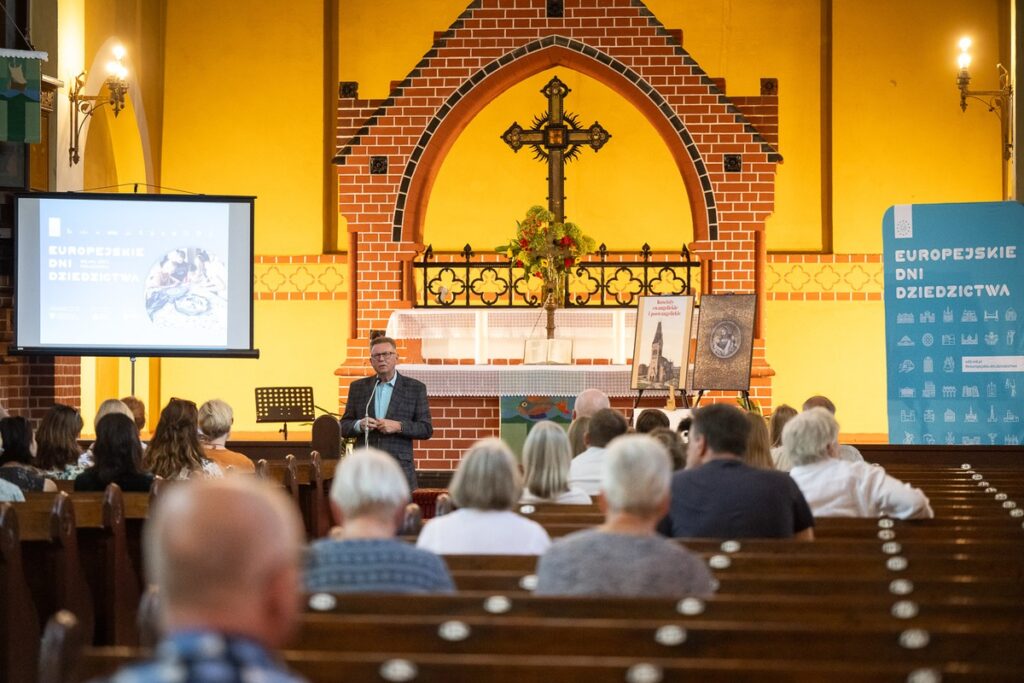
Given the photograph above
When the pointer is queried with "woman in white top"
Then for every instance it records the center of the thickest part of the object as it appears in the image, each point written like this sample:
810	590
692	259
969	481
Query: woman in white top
547	455
485	487
839	488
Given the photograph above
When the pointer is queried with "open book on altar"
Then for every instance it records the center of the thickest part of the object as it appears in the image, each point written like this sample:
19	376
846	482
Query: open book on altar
548	352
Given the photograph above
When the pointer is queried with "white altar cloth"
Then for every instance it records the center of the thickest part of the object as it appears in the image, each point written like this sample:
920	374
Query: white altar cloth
487	334
521	380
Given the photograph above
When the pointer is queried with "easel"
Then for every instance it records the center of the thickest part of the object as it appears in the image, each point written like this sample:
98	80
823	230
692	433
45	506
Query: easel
284	404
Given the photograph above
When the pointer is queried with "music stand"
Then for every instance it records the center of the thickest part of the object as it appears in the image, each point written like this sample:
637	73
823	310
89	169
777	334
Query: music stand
284	404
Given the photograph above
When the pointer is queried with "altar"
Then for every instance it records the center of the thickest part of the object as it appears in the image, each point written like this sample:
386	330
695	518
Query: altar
599	335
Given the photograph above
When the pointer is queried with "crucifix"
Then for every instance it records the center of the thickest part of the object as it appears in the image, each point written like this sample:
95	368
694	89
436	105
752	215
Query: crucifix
556	137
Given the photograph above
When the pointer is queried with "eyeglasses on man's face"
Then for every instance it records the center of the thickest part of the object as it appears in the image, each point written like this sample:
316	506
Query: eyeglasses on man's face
382	356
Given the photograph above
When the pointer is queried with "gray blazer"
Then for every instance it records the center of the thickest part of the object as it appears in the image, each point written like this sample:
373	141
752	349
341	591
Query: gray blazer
408	406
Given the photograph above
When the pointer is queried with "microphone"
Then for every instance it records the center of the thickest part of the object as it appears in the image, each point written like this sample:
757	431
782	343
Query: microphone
366	412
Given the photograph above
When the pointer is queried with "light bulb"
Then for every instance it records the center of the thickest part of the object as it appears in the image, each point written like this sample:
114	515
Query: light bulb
964	60
119	52
965	43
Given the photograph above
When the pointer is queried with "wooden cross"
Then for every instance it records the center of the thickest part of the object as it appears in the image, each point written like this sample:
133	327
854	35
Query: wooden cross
556	137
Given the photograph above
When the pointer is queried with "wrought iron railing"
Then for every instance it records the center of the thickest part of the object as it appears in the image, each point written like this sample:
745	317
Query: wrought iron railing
605	279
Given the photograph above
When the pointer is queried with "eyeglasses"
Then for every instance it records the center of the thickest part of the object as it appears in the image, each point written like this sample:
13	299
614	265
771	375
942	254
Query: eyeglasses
382	356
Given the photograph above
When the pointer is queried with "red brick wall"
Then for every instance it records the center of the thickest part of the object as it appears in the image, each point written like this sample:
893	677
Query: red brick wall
29	385
387	163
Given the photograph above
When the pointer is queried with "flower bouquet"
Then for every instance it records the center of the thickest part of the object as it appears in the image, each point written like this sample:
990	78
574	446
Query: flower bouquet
547	250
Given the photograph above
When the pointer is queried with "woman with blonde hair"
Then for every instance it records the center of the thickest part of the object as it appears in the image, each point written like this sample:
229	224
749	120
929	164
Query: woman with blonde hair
759	453
577	430
174	451
547	456
485	488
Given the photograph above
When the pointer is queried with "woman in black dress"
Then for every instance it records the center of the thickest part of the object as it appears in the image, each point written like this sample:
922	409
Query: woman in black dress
117	454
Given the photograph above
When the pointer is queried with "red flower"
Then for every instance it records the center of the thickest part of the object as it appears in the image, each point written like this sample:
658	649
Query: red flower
568	262
566	241
523	243
519	264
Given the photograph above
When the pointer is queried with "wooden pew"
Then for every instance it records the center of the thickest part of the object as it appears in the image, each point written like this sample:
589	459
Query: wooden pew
51	557
109	572
305	483
67	663
19	620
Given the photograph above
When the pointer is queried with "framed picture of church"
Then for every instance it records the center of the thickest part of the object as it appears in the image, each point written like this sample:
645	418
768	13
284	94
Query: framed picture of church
725	342
661	346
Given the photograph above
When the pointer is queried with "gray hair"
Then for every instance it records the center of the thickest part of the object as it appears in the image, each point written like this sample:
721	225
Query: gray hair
590	401
215	418
369	482
487	477
547	455
636	475
111	406
806	437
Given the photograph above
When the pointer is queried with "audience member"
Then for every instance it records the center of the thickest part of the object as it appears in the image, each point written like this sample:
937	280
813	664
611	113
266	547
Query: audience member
684	428
839	488
174	451
4	413
759	453
585	471
780	416
846	451
138	409
111	405
215	420
547	456
625	556
224	556
485	487
18	456
368	497
589	402
9	493
674	444
57	450
118	457
577	434
720	496
651	419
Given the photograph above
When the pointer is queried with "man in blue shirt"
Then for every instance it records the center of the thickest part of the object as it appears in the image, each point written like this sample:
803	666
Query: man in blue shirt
388	410
720	496
224	554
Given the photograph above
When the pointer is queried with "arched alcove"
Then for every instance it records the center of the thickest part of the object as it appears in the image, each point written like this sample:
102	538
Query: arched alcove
629	192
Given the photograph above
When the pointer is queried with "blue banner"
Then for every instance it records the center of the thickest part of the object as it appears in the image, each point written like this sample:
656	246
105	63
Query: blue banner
954	297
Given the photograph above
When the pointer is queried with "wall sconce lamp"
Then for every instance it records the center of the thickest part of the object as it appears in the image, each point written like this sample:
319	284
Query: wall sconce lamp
83	106
999	102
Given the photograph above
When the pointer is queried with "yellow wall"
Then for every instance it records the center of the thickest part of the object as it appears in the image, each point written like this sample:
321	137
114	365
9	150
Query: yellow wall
900	136
237	109
483	187
833	348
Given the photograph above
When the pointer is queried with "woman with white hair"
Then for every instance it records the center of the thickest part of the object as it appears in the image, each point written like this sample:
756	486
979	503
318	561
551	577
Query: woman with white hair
840	488
547	455
108	407
215	420
368	498
625	556
485	487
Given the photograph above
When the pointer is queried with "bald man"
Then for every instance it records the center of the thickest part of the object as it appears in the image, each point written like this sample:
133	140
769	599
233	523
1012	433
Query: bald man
224	554
589	402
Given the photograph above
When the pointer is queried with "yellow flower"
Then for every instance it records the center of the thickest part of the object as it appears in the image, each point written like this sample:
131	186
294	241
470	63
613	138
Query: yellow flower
509	252
543	263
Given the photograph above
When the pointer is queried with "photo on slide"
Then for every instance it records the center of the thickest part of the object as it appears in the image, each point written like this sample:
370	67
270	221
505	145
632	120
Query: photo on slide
188	288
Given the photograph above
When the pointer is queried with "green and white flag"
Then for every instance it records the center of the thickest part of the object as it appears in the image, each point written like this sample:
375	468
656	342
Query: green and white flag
20	79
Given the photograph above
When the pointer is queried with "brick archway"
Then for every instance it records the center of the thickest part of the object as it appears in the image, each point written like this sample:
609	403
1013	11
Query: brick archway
501	74
391	149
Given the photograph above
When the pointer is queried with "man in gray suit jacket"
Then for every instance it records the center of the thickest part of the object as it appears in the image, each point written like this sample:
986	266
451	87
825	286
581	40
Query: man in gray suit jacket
387	411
